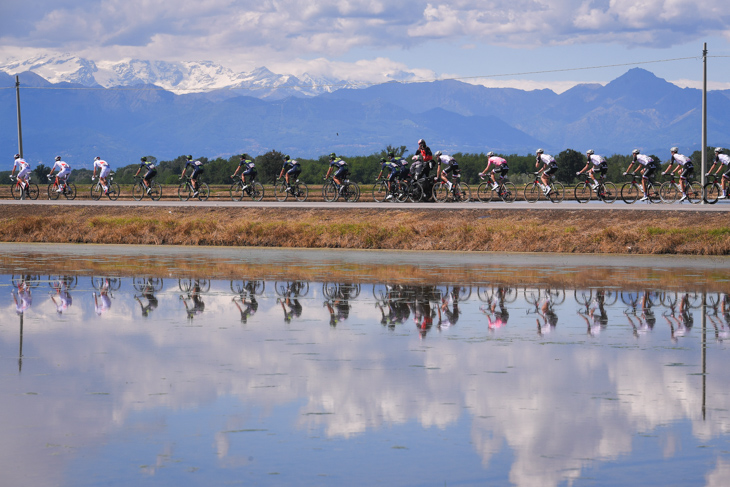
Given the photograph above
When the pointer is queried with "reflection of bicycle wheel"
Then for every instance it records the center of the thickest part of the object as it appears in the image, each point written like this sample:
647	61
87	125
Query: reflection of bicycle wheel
29	280
252	287
609	297
294	289
186	285
142	283
113	283
583	296
630	298
69	281
668	299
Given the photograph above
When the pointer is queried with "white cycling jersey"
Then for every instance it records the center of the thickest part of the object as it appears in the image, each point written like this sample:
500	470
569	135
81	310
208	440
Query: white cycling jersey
680	159
597	160
62	167
444	160
644	160
546	159
103	167
723	159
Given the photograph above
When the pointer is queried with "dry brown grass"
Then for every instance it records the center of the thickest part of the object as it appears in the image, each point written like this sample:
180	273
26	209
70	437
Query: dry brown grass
688	233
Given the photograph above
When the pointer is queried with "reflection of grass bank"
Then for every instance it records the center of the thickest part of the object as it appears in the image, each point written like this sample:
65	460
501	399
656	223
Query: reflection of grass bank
601	231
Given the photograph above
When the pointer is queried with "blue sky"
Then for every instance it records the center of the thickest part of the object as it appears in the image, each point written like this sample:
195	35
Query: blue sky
375	40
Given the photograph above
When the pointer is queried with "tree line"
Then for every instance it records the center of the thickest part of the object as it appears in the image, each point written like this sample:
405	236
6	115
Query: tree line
363	169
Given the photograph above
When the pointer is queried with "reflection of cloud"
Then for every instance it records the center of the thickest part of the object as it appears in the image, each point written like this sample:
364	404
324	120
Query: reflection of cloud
557	405
720	476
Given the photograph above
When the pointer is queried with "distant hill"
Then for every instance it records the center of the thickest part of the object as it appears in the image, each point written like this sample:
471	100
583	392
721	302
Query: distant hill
121	124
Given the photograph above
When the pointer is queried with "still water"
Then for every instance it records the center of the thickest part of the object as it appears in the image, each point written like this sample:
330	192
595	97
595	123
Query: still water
147	366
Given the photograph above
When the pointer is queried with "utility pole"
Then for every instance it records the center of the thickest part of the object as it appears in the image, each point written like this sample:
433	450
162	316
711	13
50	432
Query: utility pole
704	115
17	101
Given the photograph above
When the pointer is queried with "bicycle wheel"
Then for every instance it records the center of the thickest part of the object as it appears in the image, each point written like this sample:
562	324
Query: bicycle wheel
694	192
113	192
184	191
557	195
155	191
301	192
508	192
203	191
380	191
280	191
52	195
33	191
415	192
653	193
96	192
440	192
70	191
583	193
351	193
329	192
15	191
532	192
607	192
464	193
401	193
668	192
236	191
484	192
257	191
629	193
138	191
711	192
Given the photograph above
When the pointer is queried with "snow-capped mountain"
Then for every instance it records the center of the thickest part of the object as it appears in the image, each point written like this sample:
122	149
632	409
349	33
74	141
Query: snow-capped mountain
177	77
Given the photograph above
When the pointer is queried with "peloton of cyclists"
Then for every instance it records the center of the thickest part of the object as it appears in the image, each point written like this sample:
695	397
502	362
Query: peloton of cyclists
249	169
197	171
685	164
724	165
290	169
23	171
64	170
600	166
549	168
104	170
500	168
151	172
647	171
339	166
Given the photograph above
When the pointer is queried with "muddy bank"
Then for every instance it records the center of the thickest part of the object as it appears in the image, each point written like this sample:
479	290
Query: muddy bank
606	232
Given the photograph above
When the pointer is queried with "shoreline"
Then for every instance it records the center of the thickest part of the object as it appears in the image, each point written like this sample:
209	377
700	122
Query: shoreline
551	231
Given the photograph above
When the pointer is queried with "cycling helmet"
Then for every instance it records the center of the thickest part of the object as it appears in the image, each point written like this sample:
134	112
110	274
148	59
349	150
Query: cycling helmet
17	156
539	151
391	154
189	158
286	158
333	156
58	158
382	159
590	152
437	154
97	158
490	154
674	149
246	156
143	159
718	150
635	151
421	141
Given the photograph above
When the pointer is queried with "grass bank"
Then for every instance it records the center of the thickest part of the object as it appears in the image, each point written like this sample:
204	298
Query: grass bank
639	232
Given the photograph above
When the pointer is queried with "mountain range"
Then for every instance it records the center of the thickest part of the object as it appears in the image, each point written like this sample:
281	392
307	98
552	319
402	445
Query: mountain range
78	117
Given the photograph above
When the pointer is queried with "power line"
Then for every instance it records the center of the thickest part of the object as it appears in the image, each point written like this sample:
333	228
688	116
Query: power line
364	83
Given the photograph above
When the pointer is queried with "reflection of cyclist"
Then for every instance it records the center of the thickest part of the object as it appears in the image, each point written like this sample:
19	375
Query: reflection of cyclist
149	295
451	315
339	310
63	296
102	301
249	308
544	308
295	308
196	306
24	298
496	318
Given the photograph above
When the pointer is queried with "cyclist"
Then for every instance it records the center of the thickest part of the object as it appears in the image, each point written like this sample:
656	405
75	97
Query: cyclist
63	172
151	172
425	152
500	167
599	166
722	160
450	166
393	171
104	170
23	171
291	168
249	169
647	172
197	171
685	164
402	164
549	168
339	166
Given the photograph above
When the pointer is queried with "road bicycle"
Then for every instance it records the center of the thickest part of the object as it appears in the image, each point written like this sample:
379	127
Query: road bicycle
631	190
605	190
712	190
458	192
239	189
139	190
506	191
25	191
398	190
297	189
534	190
348	191
671	190
112	189
186	191
68	190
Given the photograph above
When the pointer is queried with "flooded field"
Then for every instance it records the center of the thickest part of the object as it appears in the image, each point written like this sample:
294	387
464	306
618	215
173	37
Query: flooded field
197	366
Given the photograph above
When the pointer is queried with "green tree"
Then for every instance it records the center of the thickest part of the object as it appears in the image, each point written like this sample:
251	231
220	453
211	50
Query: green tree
269	166
41	173
569	163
